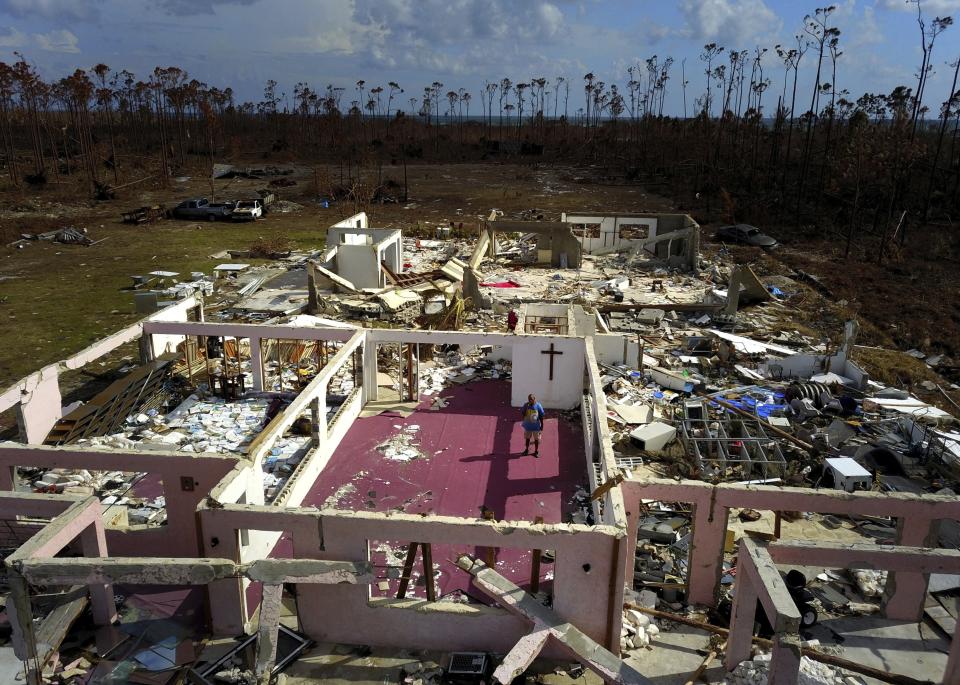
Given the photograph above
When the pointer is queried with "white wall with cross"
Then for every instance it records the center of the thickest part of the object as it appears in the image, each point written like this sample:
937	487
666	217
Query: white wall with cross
550	367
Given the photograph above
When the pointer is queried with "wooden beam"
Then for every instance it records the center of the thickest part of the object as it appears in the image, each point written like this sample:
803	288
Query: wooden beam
606	486
407	570
428	571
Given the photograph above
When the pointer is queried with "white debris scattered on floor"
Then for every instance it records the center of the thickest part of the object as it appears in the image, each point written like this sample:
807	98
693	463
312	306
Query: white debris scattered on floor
333	501
206	423
811	673
455	368
638	630
870	583
402	446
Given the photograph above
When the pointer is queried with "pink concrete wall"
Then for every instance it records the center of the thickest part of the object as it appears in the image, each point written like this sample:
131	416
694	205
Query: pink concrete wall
38	402
917	517
586	566
178	538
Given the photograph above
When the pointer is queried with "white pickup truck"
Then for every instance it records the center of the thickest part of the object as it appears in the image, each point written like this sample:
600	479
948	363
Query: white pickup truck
247	210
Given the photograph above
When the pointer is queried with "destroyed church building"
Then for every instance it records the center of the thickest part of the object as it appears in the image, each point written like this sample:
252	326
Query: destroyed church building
370	482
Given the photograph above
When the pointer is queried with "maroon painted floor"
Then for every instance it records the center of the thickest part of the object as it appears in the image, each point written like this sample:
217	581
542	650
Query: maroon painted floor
472	460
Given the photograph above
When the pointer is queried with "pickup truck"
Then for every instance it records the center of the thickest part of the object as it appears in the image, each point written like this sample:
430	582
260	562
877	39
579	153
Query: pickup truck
247	210
200	208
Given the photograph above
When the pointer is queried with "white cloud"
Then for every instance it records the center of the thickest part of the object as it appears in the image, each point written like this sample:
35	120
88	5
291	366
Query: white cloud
13	39
51	9
931	8
57	41
735	22
461	36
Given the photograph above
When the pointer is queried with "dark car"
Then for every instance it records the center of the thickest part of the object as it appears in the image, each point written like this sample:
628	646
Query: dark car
746	234
201	208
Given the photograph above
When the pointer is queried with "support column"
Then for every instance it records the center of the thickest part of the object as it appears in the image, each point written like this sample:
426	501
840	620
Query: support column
740	639
93	543
706	550
226	598
256	363
369	371
905	593
785	660
633	524
269	631
20	614
315	431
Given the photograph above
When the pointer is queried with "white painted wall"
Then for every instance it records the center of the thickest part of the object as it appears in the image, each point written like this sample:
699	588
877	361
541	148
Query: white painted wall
356	239
358	264
609	231
614	348
585	322
163	344
356	221
531	372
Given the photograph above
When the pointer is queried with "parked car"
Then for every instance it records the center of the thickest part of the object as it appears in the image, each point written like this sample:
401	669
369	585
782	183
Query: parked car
746	234
247	210
200	208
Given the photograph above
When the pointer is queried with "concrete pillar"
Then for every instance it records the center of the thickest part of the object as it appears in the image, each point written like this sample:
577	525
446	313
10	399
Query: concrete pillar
905	593
93	542
256	364
785	660
20	614
369	371
740	639
315	419
633	524
268	632
226	598
706	551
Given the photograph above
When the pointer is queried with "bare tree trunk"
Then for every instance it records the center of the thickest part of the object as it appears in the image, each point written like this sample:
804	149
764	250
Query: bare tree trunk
940	136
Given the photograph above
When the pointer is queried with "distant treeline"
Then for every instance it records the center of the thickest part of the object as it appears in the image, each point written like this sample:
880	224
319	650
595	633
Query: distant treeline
870	166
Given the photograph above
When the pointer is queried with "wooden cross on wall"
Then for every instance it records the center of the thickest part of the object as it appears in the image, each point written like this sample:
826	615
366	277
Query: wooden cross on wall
552	352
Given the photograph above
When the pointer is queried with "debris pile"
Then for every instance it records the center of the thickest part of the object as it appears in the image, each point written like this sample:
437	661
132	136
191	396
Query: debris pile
812	672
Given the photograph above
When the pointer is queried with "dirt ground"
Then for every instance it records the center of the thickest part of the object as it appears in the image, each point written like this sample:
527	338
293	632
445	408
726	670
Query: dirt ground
56	299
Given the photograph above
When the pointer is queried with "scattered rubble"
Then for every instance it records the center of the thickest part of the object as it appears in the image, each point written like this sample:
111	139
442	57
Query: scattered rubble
812	672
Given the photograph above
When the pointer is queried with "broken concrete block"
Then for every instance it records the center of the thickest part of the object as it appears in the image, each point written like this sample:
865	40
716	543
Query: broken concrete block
651	317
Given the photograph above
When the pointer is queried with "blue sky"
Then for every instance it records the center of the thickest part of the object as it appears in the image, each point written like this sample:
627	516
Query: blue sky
461	43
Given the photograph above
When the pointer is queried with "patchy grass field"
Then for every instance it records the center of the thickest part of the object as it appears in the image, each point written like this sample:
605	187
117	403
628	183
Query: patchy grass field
56	299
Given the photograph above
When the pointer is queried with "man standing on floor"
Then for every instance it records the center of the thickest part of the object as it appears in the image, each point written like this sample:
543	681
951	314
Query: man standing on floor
512	321
532	413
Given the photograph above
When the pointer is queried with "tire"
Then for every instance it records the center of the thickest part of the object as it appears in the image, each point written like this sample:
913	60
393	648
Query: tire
808	615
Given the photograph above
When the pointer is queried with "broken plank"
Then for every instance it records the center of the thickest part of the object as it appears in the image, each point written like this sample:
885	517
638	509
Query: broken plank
56	625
